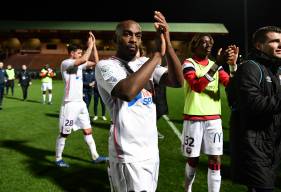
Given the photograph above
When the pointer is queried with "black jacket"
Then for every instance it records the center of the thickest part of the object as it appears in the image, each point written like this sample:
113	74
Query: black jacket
24	78
3	76
255	96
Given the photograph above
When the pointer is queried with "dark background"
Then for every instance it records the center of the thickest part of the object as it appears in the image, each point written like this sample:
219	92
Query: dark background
232	13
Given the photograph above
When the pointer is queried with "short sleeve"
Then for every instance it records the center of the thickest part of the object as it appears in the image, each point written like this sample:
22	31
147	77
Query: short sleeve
158	72
66	64
84	66
108	74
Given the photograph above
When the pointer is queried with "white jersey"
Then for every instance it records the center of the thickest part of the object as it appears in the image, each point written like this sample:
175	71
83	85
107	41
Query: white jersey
133	137
72	76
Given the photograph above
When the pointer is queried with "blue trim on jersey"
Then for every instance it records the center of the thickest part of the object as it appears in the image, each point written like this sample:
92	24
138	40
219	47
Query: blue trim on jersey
134	100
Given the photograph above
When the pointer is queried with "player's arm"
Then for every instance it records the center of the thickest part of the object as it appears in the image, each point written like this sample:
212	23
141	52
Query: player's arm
232	53
95	55
174	77
231	56
228	56
197	84
87	54
128	88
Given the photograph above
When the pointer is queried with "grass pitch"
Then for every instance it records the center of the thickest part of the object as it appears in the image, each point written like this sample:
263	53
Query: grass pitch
28	131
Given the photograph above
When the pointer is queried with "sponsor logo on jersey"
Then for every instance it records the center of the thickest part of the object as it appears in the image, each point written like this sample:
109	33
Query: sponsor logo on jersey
144	98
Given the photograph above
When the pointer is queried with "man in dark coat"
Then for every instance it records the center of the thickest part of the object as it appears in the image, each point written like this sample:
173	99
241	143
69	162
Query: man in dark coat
24	81
255	96
3	77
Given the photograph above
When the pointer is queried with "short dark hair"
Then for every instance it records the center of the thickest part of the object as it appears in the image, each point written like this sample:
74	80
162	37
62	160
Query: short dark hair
260	35
196	39
120	26
73	47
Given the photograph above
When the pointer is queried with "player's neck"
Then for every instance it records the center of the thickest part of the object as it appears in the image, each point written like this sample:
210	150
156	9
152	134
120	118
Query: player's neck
125	57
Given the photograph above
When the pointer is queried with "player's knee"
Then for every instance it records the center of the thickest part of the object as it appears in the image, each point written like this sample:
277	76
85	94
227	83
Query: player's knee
87	131
193	162
44	92
214	159
214	162
49	91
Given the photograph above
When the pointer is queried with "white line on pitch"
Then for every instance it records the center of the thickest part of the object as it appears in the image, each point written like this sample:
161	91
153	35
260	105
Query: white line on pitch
173	127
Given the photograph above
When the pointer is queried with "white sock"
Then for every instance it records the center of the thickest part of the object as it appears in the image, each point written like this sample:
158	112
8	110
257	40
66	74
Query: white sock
44	98
59	147
189	177
214	180
91	143
50	97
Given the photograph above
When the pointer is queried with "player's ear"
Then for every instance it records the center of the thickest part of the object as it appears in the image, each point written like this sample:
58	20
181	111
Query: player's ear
258	45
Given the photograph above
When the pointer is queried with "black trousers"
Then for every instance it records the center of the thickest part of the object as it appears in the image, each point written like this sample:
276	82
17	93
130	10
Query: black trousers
24	91
87	96
97	97
10	84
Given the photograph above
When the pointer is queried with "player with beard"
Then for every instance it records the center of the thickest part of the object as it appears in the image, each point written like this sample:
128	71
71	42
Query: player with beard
125	82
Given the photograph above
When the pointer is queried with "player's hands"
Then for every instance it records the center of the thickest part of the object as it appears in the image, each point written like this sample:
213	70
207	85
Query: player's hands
161	29
232	53
92	84
30	83
162	24
50	70
91	39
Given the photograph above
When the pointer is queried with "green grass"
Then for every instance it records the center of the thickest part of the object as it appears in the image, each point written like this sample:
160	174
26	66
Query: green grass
28	132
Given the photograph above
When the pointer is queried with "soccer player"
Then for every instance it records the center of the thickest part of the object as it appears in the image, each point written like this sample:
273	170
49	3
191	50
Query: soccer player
125	83
74	114
202	127
47	74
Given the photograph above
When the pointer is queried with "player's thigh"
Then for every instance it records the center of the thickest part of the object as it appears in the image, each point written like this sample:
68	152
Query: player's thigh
192	135
49	86
213	137
140	176
68	117
83	120
44	87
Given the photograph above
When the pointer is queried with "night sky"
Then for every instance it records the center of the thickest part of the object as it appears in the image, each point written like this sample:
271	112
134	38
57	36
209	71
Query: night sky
228	12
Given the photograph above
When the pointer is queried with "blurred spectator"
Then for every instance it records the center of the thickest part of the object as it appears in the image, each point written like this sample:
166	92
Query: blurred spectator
98	98
2	82
10	79
24	81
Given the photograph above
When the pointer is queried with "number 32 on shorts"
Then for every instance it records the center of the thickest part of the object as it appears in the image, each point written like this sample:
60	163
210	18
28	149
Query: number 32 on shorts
189	141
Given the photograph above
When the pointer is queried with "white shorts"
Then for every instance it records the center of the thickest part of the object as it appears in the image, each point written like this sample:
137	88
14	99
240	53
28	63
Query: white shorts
74	116
138	176
46	86
206	136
